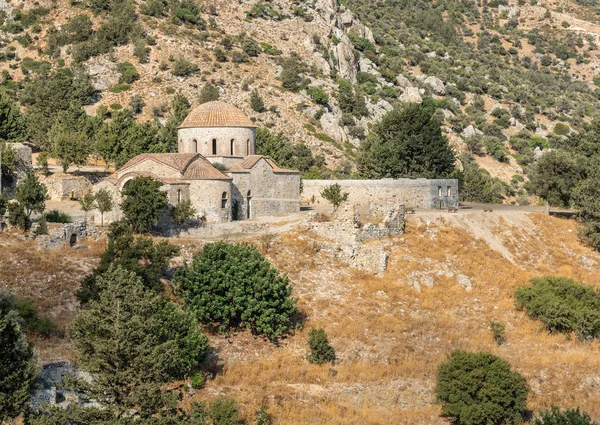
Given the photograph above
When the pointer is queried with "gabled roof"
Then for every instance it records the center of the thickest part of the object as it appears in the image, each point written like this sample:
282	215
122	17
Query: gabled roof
191	166
216	114
251	160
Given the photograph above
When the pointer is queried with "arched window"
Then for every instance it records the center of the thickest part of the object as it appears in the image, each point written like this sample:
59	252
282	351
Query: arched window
178	195
214	146
449	191
440	194
248	203
248	147
224	200
194	145
231	147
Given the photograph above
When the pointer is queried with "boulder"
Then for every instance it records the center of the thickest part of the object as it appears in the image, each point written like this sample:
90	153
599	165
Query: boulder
344	53
331	126
464	281
410	95
471	131
403	82
366	65
436	85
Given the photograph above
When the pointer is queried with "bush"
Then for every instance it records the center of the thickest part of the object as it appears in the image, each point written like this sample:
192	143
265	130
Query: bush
480	389
318	95
334	195
56	216
320	350
182	67
246	290
224	412
555	416
128	72
198	380
562	305
498	332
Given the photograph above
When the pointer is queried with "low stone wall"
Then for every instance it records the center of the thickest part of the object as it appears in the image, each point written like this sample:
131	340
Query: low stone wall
66	234
412	193
63	187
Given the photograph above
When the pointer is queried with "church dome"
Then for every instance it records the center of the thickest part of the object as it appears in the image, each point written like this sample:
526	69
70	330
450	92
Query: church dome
216	114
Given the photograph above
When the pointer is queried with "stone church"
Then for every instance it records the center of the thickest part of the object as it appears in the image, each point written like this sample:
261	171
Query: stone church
216	167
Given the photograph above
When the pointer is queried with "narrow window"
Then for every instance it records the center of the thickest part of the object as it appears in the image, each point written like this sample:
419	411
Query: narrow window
214	146
440	194
248	147
178	195
248	203
194	145
231	147
449	191
224	200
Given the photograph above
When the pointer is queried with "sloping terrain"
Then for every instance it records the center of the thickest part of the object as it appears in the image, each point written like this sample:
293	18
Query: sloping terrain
390	335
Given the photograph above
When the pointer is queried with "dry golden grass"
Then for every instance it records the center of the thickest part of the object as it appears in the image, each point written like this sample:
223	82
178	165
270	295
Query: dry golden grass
390	339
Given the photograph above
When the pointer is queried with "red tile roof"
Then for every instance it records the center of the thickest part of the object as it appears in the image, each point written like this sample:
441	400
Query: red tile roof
251	160
192	166
216	114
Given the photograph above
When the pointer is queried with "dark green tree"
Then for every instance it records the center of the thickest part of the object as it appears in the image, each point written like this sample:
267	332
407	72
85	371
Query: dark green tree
285	153
9	158
555	416
228	285
18	217
476	184
208	93
31	194
480	389
321	351
256	102
183	212
408	142
167	134
251	47
555	176
133	340
12	124
3	203
224	412
17	367
290	77
87	203
143	202
147	259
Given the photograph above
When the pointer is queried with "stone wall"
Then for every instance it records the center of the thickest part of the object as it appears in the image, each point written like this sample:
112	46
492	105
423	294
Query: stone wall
192	140
65	234
24	164
62	187
412	193
265	192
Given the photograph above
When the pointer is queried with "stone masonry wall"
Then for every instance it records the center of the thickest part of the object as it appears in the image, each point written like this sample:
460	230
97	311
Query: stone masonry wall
412	193
61	188
201	139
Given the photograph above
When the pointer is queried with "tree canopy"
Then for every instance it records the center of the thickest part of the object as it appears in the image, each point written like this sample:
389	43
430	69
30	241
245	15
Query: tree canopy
407	143
143	202
228	285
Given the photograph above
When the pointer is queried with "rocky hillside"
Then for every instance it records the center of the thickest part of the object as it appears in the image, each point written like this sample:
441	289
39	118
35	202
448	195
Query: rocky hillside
448	277
512	78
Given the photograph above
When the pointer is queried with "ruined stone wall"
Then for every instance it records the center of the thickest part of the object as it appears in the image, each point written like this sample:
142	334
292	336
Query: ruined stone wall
192	140
415	193
61	187
270	193
24	164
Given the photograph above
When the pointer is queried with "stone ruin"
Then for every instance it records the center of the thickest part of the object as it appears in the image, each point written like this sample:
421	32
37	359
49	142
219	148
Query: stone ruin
66	234
356	243
50	391
24	164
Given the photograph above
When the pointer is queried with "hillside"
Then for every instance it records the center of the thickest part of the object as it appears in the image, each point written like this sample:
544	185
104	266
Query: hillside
511	78
390	332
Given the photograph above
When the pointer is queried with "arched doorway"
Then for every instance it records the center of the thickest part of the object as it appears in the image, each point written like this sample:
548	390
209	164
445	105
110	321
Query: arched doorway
248	204
73	239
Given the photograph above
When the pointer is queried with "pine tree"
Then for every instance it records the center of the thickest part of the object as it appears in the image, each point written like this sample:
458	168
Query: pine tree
208	93
133	341
320	350
407	143
17	367
143	202
256	101
12	124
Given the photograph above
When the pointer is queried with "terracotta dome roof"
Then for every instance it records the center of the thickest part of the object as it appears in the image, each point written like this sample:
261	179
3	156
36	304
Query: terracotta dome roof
216	114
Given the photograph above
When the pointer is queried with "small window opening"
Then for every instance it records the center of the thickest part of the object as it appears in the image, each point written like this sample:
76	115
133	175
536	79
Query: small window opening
224	200
214	146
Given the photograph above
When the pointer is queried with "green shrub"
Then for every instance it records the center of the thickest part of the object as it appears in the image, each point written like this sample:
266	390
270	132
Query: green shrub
318	95
555	416
56	216
320	350
562	305
224	412
128	72
561	129
480	389
198	380
183	67
498	332
120	88
246	290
